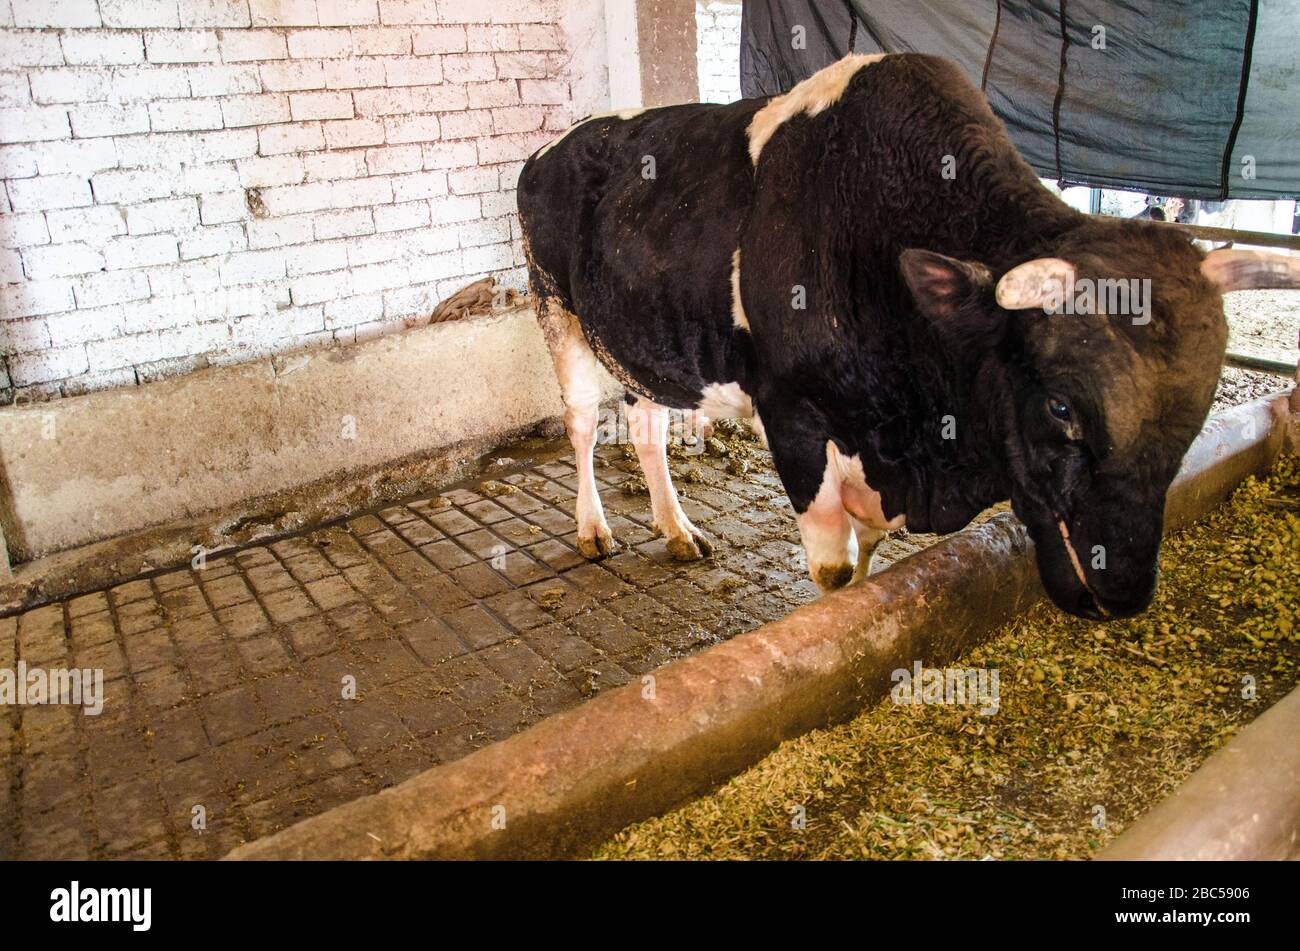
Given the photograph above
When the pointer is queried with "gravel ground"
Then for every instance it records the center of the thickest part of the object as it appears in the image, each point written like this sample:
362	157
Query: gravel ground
1263	323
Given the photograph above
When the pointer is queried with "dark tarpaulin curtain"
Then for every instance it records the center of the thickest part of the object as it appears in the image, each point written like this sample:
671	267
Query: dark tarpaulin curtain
1188	97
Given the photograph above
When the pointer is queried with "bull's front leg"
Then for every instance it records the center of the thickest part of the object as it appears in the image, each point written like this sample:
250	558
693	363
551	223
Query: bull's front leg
827	536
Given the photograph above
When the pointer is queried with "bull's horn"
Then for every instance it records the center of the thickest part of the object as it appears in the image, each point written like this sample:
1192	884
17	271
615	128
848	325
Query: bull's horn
1236	270
1034	283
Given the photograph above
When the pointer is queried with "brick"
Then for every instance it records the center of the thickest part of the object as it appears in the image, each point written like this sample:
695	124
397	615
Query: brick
517	119
361	191
102	48
343	224
544	91
419	185
250	266
95	224
20	48
427	40
413	71
49	191
524	65
399	129
139	13
407	11
511	148
402	217
443	98
142	251
221	207
68	85
316	258
354	133
453	209
449	154
176	214
84	326
34	298
21	231
109	119
404	158
284	77
471	181
490	39
297	137
55	364
62	260
540	36
101	290
326	166
320	44
242	46
467	125
469	67
14	89
499	204
181	46
347	12
382	41
277	232
353	73
30	336
502	92
478	233
55	13
213	13
34	124
149	83
382	102
223	80
272	170
79	157
213	240
320	105
499	11
126	187
283	12
185	115
260	109
296	199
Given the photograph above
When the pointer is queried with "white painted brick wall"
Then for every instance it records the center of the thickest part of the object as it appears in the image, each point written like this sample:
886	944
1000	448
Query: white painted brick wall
717	38
193	182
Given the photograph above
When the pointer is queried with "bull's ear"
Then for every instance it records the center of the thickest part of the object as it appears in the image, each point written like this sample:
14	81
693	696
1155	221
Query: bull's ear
943	287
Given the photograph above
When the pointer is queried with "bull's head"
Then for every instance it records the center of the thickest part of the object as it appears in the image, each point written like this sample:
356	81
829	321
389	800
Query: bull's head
1096	368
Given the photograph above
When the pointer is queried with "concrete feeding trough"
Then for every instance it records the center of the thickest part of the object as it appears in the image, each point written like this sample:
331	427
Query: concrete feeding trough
576	778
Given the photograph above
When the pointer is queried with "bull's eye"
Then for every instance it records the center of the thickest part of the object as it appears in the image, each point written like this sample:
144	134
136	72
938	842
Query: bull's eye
1059	410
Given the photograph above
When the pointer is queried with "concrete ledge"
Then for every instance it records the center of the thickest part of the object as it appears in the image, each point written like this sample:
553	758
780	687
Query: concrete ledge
1243	803
87	468
578	777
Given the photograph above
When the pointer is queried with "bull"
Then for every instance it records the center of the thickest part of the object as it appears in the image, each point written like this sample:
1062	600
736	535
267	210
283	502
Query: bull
867	269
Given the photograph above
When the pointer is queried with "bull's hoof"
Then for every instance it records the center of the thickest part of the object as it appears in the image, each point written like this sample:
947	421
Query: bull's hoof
600	545
833	577
690	547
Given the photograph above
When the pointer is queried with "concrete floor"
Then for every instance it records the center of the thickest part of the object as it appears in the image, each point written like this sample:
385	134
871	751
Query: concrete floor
225	687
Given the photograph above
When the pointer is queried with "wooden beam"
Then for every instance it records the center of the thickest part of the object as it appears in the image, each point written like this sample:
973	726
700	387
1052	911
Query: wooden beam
1262	238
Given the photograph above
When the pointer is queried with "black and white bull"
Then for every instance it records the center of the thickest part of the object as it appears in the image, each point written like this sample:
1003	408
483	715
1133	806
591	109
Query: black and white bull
861	266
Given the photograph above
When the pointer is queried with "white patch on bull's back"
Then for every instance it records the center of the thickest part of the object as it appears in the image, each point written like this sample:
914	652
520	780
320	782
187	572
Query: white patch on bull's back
819	91
738	317
725	401
623	114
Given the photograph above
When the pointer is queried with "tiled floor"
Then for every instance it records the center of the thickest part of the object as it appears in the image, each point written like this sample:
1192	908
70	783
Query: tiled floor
282	680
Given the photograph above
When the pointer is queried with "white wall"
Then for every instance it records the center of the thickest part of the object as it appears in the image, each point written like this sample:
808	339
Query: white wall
717	25
207	181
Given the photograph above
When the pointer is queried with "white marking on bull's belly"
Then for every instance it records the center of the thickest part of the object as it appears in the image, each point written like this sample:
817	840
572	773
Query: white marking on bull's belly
819	91
623	114
738	318
725	401
860	500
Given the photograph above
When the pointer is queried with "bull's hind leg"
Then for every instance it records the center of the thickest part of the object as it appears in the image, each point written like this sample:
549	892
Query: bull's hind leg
577	370
647	425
